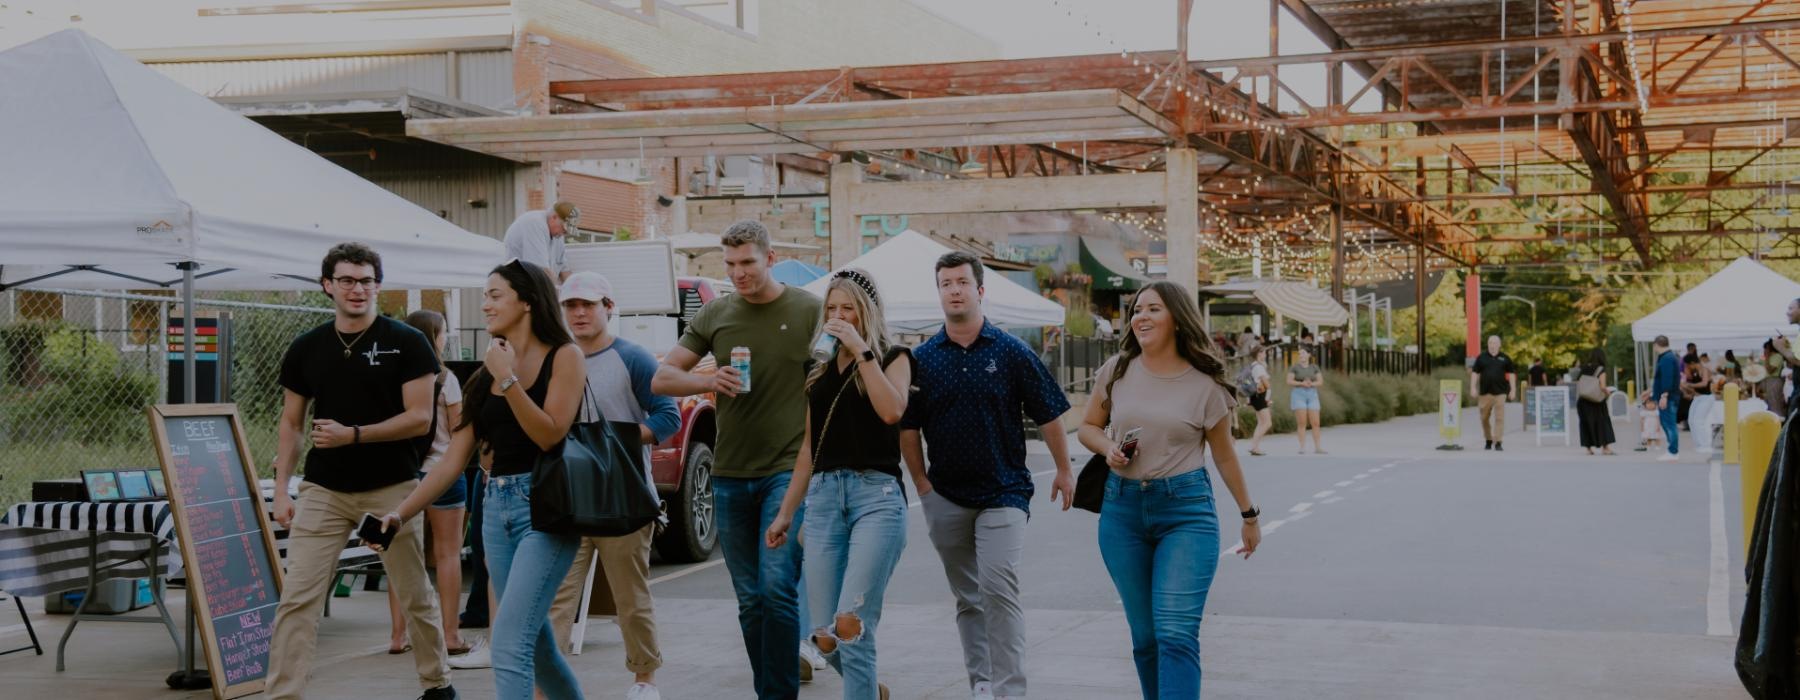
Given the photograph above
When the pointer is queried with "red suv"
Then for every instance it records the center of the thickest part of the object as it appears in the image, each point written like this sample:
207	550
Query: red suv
682	465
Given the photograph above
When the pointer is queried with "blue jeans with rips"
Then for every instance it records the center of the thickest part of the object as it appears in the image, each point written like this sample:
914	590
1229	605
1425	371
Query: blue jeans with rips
1160	541
525	566
855	531
766	580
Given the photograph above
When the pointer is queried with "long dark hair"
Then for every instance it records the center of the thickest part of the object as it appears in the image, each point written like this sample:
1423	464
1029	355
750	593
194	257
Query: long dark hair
1191	341
538	294
431	323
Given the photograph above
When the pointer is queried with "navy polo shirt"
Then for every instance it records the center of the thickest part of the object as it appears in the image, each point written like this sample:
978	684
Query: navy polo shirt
970	403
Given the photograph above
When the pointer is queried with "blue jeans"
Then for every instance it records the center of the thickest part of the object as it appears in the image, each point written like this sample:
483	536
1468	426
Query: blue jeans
766	580
1160	541
855	529
1671	429
525	651
1303	398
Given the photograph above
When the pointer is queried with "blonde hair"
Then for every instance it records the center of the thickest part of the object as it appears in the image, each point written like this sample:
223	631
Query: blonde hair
871	322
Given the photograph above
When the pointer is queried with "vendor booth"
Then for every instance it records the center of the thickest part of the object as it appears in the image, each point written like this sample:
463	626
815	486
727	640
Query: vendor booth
903	271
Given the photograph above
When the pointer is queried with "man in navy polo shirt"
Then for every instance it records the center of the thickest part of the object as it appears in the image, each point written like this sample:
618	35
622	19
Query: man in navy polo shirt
972	389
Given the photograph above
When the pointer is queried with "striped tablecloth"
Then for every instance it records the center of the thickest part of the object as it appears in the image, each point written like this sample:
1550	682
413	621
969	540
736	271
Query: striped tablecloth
44	545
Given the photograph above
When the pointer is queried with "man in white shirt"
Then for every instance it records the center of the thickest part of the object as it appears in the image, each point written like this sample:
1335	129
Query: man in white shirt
537	237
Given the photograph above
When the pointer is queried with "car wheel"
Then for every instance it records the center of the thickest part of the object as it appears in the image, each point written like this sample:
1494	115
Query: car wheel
693	524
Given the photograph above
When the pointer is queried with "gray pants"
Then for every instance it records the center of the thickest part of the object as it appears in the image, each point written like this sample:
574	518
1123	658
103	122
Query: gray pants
981	549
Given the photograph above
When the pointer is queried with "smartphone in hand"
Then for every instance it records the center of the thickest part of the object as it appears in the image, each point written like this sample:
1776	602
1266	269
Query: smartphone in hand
1129	446
370	531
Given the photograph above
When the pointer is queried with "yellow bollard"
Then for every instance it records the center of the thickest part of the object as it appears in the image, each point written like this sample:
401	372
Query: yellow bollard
1731	424
1758	434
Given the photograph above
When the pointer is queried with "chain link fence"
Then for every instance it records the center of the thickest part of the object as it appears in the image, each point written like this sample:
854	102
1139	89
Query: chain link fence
77	369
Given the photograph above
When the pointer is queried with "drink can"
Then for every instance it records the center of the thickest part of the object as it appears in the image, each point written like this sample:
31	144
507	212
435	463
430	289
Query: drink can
824	348
740	361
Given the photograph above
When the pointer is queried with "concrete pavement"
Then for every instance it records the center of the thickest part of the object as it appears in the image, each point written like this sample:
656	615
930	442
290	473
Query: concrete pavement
1389	569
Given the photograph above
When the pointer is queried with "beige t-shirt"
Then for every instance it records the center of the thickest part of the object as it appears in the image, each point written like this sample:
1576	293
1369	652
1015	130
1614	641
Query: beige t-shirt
1174	413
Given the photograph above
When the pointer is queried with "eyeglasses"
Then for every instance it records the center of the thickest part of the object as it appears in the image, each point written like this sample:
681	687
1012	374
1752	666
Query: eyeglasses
349	283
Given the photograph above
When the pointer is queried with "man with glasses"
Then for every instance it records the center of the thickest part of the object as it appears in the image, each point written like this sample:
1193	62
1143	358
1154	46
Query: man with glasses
537	237
368	382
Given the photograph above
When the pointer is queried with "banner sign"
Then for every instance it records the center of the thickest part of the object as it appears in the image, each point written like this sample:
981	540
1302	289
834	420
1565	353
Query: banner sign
1450	409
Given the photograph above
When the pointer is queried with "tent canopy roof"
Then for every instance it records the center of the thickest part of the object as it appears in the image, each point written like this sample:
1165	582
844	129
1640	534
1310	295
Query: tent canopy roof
902	268
1296	300
1736	308
113	166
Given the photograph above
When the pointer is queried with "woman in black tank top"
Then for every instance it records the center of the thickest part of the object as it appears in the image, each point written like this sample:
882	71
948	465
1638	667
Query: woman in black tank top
848	474
521	415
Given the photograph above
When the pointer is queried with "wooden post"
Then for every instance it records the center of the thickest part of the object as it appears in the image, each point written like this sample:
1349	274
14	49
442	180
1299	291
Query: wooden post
845	235
1182	202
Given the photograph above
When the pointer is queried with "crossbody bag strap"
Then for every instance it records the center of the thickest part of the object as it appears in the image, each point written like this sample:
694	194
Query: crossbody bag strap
823	429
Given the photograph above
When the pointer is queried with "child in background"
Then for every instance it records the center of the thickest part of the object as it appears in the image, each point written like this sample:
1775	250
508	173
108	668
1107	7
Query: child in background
1651	433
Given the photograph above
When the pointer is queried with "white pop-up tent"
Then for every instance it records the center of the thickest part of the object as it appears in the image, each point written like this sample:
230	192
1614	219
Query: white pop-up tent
116	176
903	271
1735	309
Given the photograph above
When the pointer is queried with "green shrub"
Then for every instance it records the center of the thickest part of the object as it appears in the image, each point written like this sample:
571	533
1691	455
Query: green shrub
76	388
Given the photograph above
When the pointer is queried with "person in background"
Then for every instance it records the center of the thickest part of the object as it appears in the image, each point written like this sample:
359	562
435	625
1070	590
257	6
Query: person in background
1785	349
366	381
1494	378
619	376
538	237
1696	381
1537	376
1770	386
1159	530
1596	421
1650	432
1248	342
848	474
1259	400
522	403
760	432
1666	384
444	519
1304	379
973	387
1731	367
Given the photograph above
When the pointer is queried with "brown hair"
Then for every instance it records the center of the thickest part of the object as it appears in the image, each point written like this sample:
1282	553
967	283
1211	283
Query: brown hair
747	232
353	253
1191	341
431	323
957	258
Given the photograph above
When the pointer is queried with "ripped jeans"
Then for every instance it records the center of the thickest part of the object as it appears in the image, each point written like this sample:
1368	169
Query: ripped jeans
855	529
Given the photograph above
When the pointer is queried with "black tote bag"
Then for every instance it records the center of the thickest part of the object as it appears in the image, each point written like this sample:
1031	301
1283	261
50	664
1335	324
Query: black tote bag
594	485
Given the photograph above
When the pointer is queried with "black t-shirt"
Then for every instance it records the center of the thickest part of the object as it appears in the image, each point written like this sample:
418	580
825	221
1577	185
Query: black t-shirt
1539	377
856	438
362	388
1492	370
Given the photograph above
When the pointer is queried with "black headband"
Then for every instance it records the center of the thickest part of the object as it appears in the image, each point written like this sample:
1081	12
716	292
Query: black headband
861	280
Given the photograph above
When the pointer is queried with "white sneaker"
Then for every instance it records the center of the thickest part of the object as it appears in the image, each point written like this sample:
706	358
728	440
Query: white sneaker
643	691
982	691
1668	458
811	655
479	656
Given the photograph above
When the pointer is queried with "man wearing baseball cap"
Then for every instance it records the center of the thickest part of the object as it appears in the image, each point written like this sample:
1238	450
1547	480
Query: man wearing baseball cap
619	374
536	237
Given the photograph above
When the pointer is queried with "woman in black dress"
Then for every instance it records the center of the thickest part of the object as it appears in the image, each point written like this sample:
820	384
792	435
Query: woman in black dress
1596	421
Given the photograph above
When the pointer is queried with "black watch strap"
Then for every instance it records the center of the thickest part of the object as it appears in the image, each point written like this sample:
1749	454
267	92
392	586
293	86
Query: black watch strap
1253	512
868	356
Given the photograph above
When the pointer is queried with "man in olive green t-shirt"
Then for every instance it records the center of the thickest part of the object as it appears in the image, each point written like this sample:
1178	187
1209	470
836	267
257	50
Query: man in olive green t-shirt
760	432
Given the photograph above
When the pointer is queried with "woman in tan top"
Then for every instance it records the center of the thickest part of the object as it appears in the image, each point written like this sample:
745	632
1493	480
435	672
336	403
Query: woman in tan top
1166	399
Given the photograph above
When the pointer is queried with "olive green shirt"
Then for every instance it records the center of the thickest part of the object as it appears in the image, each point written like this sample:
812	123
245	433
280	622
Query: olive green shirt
759	430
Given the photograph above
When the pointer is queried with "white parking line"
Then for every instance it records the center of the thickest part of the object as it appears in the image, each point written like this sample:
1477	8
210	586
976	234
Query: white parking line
1300	507
1342	484
1718	587
1323	494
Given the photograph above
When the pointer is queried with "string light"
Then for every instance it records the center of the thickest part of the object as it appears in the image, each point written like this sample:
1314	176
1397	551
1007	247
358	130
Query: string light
1637	77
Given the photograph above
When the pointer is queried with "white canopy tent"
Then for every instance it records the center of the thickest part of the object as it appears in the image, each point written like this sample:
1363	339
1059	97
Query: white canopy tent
1737	308
903	271
120	178
116	175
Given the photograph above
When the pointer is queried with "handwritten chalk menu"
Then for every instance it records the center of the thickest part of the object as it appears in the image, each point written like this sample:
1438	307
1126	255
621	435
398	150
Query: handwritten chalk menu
1552	412
233	571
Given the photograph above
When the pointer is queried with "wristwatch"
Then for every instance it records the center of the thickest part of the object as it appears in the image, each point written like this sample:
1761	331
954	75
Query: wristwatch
508	383
1253	512
868	356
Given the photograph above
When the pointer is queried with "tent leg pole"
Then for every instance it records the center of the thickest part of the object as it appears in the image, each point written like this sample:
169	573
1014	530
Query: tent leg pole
187	332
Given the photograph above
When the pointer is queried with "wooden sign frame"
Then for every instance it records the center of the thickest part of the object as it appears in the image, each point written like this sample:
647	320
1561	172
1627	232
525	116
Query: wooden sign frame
196	587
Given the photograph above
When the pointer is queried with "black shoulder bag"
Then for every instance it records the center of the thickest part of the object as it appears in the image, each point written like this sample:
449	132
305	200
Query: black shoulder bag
593	485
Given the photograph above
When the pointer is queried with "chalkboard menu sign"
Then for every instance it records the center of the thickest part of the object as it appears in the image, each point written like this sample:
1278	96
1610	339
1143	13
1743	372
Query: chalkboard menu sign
1552	412
234	574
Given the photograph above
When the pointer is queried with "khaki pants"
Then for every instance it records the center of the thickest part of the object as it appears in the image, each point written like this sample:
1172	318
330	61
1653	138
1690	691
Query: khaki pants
1493	409
626	563
323	521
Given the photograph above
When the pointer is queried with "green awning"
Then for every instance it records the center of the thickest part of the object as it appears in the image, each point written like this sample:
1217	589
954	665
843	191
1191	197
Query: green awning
1102	259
